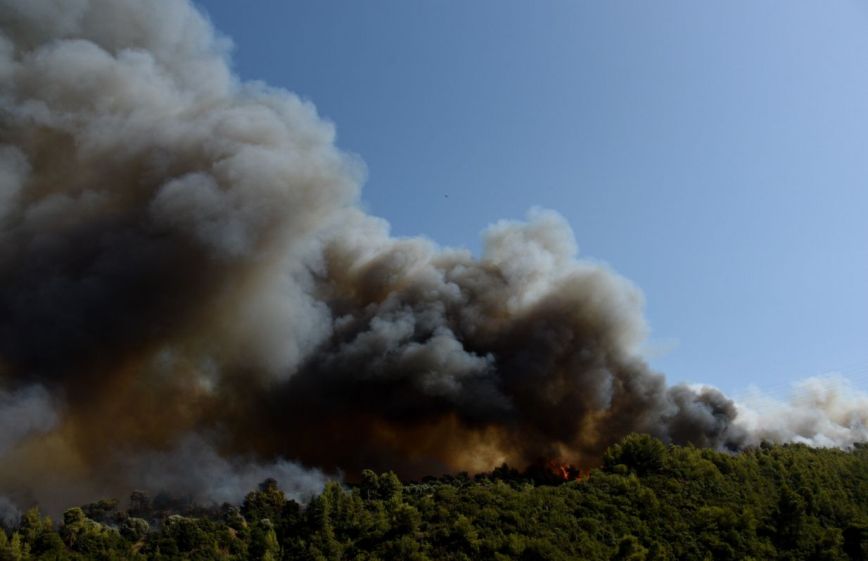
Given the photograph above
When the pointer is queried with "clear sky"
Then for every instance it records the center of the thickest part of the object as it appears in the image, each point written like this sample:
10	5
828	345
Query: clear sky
714	153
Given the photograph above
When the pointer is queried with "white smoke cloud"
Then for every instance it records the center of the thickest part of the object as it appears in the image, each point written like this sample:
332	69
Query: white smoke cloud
193	468
24	413
823	411
10	514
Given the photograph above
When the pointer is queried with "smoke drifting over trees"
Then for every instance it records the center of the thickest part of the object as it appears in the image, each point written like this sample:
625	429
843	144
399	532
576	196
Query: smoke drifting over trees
185	277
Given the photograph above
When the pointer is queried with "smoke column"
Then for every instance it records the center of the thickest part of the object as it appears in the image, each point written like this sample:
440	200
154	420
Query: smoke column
190	297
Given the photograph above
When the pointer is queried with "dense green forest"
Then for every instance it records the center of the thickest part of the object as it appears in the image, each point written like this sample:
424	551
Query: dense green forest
648	501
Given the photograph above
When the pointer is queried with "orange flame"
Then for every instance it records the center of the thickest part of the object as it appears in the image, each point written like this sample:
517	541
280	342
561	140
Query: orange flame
567	472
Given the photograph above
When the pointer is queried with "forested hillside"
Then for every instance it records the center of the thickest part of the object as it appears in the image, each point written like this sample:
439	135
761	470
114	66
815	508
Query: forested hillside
647	502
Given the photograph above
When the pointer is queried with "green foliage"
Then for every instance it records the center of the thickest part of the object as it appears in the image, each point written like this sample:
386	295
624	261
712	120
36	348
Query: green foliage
638	453
650	502
134	529
265	504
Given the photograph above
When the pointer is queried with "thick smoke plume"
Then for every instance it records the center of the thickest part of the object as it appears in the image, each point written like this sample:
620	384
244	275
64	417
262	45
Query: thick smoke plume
186	280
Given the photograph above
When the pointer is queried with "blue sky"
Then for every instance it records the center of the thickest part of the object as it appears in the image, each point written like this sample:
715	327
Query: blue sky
715	154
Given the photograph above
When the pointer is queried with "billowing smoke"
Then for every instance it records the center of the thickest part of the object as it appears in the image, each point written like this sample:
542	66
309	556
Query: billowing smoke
194	470
824	411
190	296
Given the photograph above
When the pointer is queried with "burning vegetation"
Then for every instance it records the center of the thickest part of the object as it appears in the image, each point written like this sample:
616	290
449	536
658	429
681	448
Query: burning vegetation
773	502
566	472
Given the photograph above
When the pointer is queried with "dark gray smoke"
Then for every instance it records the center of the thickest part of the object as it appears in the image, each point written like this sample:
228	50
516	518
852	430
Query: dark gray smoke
186	279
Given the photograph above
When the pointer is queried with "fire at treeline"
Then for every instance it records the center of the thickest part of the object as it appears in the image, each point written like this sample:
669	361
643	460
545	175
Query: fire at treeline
647	502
